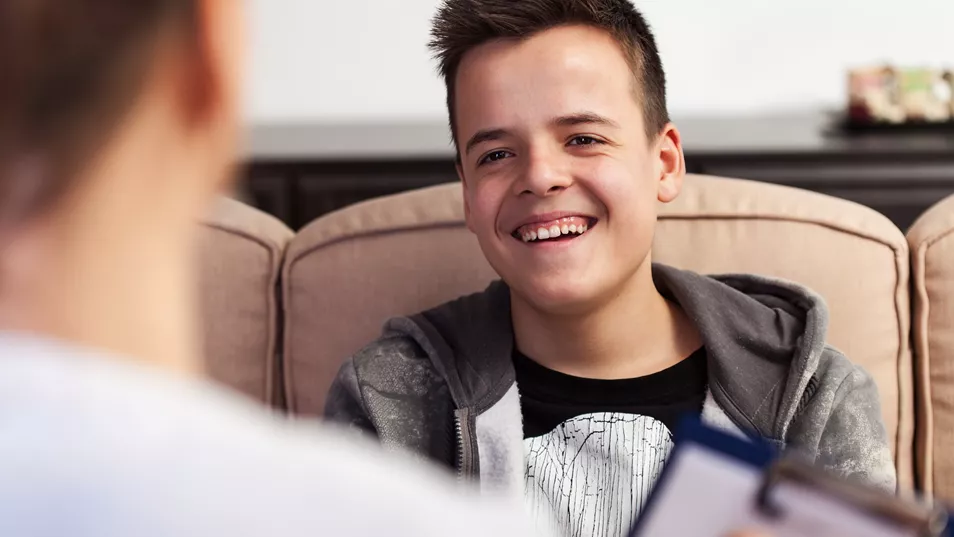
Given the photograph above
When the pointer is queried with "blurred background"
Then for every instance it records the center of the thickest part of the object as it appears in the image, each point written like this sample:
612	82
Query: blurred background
344	102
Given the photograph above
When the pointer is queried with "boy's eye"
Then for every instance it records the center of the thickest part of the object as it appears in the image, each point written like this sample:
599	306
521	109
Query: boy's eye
584	140
493	156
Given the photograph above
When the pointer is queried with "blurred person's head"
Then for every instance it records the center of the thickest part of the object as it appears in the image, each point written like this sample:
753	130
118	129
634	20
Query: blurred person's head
558	112
118	123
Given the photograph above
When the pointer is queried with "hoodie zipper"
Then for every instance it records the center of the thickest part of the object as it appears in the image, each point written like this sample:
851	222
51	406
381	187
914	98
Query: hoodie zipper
466	446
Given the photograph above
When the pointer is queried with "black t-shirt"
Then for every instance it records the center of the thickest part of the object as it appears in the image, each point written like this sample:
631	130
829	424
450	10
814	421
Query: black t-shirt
595	448
549	398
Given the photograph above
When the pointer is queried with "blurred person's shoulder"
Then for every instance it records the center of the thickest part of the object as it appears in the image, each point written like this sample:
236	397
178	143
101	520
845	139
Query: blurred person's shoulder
93	445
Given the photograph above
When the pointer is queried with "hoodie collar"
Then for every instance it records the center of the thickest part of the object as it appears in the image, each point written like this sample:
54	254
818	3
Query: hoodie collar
763	338
470	342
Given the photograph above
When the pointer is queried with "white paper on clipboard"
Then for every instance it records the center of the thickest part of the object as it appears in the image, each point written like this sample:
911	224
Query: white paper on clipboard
710	494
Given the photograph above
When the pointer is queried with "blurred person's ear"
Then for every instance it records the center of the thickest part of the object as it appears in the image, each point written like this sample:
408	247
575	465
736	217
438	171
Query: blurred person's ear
213	78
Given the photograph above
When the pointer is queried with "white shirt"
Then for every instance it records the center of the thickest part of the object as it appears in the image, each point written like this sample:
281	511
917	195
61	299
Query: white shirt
593	474
92	446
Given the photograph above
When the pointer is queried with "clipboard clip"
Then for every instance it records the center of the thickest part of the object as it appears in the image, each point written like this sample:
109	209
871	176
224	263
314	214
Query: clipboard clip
924	520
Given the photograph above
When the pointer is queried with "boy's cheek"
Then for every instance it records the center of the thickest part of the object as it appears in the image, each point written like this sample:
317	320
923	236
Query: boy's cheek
484	213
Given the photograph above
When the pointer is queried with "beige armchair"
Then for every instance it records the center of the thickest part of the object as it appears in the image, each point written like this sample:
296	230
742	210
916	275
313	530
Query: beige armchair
346	273
241	251
932	261
283	311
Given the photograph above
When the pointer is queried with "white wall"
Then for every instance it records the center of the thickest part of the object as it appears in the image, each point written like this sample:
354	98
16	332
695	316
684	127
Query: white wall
365	60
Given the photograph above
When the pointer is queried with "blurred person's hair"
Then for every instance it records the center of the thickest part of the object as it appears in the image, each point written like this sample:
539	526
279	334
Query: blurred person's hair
462	25
69	72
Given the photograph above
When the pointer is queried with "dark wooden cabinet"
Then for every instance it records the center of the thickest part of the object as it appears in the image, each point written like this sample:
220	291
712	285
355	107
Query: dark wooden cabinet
299	173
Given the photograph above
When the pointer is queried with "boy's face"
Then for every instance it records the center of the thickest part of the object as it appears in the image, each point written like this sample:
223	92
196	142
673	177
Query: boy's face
552	143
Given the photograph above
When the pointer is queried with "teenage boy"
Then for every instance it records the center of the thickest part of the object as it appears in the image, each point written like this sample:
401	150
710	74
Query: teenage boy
566	378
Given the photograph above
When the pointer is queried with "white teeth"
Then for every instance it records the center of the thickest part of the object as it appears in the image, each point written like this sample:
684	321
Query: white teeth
553	232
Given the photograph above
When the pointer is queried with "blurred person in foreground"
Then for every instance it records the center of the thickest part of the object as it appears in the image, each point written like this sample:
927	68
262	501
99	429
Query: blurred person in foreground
118	124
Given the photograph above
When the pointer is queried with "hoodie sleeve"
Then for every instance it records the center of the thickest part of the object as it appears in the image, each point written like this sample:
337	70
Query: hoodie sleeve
844	419
391	390
345	404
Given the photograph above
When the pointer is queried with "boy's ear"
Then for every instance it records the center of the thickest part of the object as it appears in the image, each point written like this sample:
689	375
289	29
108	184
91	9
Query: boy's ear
463	185
672	164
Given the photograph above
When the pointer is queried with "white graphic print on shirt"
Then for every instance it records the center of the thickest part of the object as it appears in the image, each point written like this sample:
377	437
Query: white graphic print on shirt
592	475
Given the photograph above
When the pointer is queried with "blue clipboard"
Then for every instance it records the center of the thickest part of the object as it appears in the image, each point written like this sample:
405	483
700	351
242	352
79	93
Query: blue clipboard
774	469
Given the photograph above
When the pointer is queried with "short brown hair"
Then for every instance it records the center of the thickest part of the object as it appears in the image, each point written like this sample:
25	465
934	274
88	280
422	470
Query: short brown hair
70	71
461	25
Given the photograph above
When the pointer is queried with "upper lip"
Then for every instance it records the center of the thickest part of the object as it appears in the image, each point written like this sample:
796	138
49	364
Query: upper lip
549	217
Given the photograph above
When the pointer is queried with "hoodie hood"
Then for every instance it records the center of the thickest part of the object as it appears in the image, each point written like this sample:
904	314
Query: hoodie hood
763	338
470	342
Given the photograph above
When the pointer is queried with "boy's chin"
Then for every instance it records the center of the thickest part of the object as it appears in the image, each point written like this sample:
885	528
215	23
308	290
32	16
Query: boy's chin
557	298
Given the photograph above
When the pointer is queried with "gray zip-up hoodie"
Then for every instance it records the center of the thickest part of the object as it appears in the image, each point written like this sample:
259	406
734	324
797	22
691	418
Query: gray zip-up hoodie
441	383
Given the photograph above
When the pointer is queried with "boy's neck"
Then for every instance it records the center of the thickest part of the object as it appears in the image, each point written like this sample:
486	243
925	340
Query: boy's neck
636	333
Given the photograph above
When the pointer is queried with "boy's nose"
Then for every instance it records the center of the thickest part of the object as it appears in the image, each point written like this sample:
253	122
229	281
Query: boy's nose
543	176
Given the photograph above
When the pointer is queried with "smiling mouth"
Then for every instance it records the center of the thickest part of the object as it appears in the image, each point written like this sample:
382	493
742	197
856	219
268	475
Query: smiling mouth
561	229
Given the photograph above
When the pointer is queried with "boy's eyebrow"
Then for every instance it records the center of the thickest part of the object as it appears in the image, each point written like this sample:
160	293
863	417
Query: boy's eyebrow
582	118
487	135
579	118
